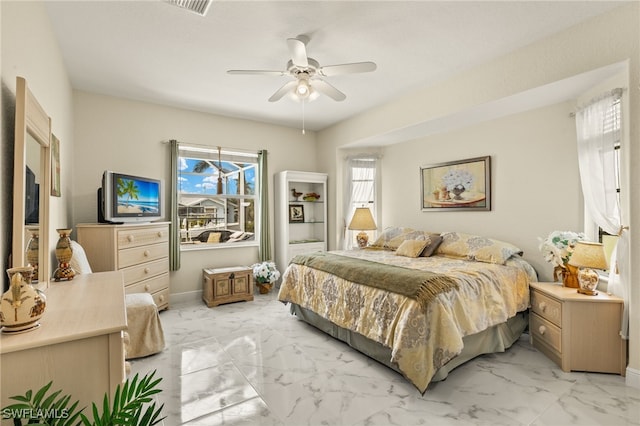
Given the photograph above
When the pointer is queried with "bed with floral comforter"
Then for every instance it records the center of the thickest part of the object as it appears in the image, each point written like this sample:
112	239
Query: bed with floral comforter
489	285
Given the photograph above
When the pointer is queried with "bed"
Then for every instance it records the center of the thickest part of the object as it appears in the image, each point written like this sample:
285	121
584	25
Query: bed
419	302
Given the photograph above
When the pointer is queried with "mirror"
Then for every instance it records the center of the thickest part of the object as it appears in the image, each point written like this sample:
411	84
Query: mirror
31	181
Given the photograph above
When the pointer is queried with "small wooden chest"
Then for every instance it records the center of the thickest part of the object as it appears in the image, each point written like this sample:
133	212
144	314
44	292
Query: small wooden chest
226	285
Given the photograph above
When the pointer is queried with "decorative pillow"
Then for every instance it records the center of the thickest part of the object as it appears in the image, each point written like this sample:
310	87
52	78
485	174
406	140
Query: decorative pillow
412	248
434	242
474	247
79	262
389	234
214	237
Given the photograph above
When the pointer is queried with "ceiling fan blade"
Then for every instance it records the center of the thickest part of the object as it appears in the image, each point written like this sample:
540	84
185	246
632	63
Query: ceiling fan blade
298	52
356	67
283	91
327	89
264	72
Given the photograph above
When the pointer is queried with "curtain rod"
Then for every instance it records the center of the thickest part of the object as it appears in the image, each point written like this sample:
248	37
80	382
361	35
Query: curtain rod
614	92
248	151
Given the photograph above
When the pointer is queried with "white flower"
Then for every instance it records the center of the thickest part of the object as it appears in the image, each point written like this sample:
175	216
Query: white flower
559	245
265	272
455	177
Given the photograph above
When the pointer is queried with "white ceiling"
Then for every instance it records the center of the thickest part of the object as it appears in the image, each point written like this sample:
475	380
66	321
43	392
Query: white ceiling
152	51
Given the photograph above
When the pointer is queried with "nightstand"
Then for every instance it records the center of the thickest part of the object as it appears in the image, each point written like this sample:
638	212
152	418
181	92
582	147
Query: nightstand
576	331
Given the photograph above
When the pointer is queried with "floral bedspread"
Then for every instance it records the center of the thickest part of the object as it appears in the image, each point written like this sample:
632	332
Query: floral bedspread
421	341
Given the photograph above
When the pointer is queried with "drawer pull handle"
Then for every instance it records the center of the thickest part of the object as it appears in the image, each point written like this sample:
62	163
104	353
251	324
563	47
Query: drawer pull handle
147	287
543	306
159	234
147	270
161	297
146	253
130	238
542	329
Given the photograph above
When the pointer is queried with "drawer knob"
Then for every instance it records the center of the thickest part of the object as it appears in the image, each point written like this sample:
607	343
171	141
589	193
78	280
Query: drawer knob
147	270
161	297
542	306
542	329
159	234
146	253
130	238
147	287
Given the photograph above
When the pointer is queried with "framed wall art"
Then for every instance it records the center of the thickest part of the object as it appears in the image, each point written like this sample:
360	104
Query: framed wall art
296	213
456	185
55	166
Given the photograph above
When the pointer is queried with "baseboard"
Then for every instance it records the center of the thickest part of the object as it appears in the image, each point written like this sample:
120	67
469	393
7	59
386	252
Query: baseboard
633	378
186	297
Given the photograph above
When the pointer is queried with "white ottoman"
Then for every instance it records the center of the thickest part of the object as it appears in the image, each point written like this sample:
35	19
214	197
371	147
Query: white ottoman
143	326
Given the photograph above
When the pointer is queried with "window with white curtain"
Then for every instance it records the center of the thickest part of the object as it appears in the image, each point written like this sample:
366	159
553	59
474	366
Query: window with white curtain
362	172
611	126
217	196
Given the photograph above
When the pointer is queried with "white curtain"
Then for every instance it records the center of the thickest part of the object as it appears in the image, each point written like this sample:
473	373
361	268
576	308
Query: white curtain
360	191
598	132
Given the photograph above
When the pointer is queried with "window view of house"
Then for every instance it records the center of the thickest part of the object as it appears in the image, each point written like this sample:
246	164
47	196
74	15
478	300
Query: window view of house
216	196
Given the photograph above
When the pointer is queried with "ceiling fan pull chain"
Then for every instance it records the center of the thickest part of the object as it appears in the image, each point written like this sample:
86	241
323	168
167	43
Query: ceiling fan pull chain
303	117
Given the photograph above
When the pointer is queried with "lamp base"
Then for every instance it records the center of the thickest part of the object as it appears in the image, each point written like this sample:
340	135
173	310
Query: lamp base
588	292
362	238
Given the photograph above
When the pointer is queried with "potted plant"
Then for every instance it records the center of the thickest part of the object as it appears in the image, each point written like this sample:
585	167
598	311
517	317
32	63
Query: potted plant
265	274
557	249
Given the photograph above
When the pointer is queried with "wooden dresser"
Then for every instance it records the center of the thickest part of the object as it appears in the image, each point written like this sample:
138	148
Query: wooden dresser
78	345
576	331
226	285
140	251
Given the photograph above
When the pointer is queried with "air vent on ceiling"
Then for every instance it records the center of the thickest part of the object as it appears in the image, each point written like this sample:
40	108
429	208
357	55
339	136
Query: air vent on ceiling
197	6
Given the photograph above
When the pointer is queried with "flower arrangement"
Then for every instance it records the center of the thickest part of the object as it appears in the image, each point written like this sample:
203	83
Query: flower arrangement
559	245
265	272
455	177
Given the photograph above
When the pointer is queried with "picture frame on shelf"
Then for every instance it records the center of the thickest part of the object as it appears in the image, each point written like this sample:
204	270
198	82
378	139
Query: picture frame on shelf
296	213
461	185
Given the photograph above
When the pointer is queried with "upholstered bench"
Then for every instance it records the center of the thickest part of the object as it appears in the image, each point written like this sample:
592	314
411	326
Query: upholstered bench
144	327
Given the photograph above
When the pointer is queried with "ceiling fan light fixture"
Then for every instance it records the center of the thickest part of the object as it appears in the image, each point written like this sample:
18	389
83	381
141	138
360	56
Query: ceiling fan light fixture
303	90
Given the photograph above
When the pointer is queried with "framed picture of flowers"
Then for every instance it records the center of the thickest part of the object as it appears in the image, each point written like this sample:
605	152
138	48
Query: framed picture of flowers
456	185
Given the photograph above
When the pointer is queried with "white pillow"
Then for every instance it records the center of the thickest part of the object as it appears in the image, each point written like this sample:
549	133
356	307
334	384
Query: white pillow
79	261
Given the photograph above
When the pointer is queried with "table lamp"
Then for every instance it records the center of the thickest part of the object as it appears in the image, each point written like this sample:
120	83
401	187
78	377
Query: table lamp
588	256
362	220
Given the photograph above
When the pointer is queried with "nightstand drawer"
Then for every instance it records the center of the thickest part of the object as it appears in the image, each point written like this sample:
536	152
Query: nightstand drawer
544	331
548	308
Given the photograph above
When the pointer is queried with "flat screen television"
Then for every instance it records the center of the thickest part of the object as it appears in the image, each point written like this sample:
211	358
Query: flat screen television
127	198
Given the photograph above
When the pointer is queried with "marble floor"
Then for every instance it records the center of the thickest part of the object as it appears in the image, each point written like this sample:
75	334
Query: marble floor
252	363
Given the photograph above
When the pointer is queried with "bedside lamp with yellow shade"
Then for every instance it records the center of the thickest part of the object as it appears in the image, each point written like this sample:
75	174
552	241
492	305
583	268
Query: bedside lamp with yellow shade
362	220
588	256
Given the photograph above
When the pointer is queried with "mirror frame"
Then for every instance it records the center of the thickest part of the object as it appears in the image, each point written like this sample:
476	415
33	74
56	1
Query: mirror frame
31	119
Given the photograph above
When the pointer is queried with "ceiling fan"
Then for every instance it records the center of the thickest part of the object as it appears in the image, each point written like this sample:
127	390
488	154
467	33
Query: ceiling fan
307	72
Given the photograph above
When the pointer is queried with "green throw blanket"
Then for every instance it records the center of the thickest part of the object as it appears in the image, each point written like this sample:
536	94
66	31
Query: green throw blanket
423	286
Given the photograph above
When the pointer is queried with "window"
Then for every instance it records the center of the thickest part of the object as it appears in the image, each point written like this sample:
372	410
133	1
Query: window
612	126
362	173
217	196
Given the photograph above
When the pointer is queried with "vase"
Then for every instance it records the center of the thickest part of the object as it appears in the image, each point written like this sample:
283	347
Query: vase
64	251
457	190
264	287
568	274
22	306
32	253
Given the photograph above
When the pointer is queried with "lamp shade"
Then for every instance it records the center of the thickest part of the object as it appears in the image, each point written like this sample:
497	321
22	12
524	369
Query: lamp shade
588	255
362	220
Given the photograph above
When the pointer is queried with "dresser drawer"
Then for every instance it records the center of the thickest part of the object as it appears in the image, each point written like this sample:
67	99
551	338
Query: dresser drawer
134	274
544	331
151	285
161	298
138	255
548	308
128	238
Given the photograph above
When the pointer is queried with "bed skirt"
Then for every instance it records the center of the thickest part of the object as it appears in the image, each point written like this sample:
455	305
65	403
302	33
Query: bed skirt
494	339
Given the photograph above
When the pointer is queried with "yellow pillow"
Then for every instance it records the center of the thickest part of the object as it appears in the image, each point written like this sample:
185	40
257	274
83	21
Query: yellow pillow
214	237
412	248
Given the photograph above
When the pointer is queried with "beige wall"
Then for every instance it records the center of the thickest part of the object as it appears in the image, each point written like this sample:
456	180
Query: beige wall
126	136
29	50
611	38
